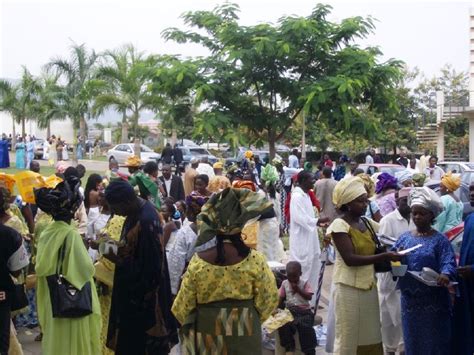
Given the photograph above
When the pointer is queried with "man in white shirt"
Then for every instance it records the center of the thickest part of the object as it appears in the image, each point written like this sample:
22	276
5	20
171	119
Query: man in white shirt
304	240
369	159
293	161
433	171
424	161
393	225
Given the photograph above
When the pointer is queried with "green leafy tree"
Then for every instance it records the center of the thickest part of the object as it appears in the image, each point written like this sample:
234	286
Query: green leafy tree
264	76
20	100
81	87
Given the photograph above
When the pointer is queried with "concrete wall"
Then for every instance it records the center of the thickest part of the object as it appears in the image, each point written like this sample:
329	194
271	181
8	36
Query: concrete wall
58	128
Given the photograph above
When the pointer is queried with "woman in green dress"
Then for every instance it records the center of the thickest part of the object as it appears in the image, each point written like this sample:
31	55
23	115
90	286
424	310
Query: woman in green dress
74	336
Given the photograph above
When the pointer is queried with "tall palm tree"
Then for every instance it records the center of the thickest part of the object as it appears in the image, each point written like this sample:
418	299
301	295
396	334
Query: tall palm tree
20	100
78	73
127	76
51	99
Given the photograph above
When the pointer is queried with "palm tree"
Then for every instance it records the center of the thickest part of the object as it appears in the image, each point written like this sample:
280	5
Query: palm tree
127	77
51	99
20	100
80	86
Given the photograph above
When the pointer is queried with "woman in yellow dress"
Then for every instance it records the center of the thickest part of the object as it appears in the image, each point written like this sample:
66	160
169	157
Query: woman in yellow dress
228	289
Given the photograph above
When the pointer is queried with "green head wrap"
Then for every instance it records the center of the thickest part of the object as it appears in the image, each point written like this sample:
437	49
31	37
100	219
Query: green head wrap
269	175
227	212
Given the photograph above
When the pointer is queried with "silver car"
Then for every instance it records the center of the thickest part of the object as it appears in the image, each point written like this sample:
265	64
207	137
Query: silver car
122	151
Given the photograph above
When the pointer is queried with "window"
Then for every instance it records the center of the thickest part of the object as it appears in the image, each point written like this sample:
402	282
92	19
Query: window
144	148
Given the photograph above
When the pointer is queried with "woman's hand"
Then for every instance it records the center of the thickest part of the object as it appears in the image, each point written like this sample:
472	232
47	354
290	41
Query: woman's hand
443	280
392	256
323	221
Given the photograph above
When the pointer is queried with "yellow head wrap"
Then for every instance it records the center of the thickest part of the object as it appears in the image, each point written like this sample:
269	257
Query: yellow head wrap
451	182
218	165
347	190
368	183
249	154
133	161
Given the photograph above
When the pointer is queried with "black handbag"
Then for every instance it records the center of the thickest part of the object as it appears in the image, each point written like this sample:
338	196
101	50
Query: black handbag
18	298
66	300
381	266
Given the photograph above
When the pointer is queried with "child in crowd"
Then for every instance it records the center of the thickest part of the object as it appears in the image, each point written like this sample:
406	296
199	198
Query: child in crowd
295	295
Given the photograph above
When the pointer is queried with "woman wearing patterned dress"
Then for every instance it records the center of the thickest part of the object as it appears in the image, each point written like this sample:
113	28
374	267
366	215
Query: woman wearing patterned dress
426	310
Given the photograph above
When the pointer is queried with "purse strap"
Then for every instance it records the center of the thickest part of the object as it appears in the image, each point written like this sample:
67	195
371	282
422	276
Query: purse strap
376	240
61	254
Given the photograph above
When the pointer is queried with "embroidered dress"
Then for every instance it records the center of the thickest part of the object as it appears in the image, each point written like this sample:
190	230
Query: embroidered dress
426	311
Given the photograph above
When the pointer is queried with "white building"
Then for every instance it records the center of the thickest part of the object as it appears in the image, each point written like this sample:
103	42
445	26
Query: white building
63	129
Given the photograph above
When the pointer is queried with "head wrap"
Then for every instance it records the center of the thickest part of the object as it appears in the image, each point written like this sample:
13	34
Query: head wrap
196	199
5	201
347	190
61	167
133	162
269	175
419	179
404	192
403	176
218	165
277	161
7	181
426	198
385	181
218	183
227	212
249	154
368	184
451	182
308	166
244	184
61	202
119	191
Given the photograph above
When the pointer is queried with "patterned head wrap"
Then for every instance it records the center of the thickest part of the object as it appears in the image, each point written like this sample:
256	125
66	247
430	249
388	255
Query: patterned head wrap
385	181
244	184
218	183
368	183
451	182
249	154
227	212
133	162
269	175
62	201
403	176
426	198
347	190
277	161
7	181
308	166
419	179
218	165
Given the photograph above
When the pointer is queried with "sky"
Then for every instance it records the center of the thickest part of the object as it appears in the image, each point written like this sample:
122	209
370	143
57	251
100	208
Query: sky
425	34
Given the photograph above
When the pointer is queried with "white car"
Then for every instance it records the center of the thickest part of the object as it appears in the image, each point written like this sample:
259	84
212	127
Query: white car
456	167
122	151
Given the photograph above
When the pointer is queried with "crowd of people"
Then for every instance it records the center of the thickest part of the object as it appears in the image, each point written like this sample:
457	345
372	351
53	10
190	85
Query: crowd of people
141	262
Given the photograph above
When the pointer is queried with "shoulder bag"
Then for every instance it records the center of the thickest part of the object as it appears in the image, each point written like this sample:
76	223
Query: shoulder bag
381	266
66	300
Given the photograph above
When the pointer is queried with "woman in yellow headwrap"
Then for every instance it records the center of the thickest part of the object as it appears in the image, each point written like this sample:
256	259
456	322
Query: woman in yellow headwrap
453	207
357	315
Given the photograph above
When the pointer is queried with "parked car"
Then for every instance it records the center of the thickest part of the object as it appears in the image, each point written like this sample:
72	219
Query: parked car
190	152
122	151
39	148
371	169
456	167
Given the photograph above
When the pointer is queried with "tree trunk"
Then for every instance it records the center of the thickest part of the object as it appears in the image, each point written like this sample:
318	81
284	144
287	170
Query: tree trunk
48	130
13	135
271	144
23	128
174	136
124	138
136	140
82	128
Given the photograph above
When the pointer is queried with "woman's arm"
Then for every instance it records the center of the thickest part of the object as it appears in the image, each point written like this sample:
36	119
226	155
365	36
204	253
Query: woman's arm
168	228
346	250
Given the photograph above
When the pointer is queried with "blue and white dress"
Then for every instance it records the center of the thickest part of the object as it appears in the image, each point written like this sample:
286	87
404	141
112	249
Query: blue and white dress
426	311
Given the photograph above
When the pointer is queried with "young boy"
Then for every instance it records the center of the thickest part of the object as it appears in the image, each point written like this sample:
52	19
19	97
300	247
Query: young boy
296	294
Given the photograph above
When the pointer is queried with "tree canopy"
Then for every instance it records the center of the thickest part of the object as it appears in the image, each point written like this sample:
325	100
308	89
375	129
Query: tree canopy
264	76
